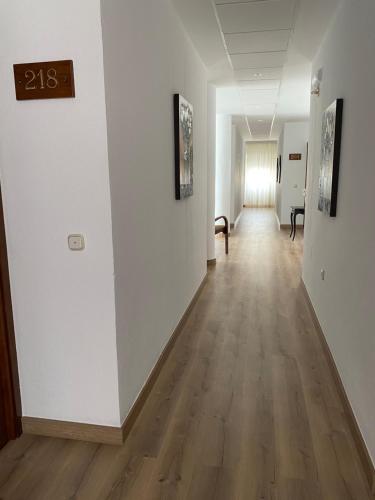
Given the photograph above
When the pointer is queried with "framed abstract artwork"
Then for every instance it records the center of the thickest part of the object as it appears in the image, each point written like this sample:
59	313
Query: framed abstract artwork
330	158
183	130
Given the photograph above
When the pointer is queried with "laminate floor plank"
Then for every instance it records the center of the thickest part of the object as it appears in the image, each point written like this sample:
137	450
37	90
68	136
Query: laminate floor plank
245	408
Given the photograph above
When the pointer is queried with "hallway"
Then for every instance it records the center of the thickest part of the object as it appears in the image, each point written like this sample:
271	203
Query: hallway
244	409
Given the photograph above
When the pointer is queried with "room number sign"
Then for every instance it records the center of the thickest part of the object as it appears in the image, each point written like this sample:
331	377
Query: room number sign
44	80
295	156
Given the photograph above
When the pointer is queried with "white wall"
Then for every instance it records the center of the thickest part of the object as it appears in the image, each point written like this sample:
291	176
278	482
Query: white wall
230	169
160	244
223	166
345	246
211	169
54	178
290	192
238	175
278	203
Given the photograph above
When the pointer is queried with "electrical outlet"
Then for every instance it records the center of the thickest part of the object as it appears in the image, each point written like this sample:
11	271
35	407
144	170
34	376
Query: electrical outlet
76	242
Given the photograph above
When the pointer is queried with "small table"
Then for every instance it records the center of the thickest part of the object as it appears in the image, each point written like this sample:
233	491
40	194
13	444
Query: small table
293	219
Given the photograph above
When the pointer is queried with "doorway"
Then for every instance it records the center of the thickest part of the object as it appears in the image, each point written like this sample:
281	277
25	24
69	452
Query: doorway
10	401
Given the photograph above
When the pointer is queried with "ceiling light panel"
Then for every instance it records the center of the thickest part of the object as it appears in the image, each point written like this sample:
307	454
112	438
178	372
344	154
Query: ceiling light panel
256	16
257	74
259	96
260	128
258	60
260	110
258	41
259	84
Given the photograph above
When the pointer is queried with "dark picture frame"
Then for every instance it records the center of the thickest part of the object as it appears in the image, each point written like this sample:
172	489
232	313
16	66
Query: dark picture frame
184	150
280	169
330	158
277	169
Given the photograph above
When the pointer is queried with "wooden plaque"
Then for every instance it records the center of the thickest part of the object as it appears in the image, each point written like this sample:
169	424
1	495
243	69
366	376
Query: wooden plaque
295	156
44	80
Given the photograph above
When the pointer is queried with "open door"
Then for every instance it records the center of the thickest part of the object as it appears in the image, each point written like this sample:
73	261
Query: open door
10	405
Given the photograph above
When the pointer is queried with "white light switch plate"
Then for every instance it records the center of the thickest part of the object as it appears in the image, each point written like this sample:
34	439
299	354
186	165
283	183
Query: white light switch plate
76	242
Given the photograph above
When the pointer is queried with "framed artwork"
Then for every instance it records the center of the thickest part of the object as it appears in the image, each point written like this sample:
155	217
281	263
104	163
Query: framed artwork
183	130
330	158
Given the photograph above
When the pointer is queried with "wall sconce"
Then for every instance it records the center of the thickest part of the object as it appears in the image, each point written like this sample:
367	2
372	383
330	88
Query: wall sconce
315	84
315	87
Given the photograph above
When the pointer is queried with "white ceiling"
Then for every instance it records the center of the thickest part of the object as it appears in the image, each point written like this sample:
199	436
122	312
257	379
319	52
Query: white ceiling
259	54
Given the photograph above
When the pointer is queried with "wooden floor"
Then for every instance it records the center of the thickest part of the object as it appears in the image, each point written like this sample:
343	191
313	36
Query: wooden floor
244	409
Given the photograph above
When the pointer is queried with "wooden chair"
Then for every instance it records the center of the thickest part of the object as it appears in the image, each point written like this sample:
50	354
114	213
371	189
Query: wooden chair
223	228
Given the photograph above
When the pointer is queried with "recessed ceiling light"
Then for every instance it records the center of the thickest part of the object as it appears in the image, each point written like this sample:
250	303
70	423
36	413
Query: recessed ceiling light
260	121
258	75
